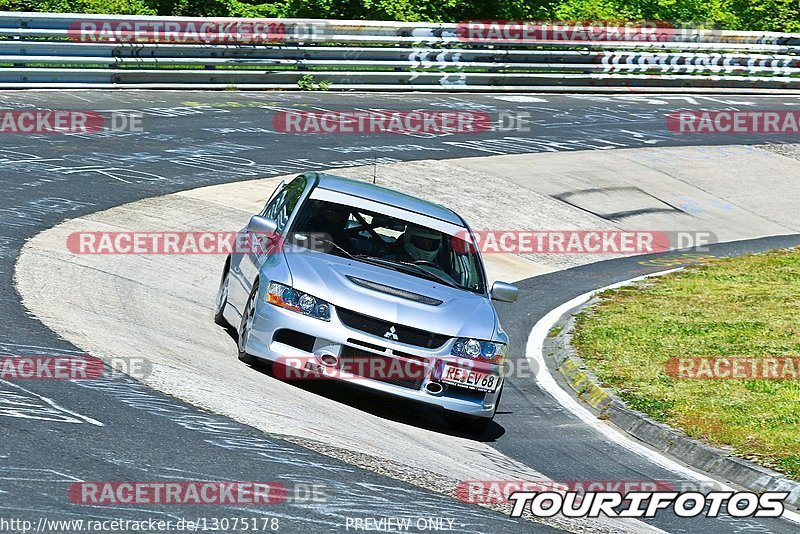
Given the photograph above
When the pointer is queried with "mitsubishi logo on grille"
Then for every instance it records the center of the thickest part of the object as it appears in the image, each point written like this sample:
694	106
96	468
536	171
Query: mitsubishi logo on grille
391	334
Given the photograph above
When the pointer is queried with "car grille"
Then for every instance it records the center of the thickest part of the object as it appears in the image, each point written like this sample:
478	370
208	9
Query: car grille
379	327
407	374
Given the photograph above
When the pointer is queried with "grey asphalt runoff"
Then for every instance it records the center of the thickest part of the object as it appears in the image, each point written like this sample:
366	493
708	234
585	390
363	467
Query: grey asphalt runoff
201	138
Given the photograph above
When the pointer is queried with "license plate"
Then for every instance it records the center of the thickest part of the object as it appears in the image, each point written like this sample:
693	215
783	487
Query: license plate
469	378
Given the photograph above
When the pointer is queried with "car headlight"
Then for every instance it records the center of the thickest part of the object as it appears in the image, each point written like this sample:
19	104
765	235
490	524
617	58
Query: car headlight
475	349
297	301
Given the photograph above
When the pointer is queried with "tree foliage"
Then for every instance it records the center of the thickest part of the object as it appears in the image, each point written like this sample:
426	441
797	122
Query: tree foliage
772	15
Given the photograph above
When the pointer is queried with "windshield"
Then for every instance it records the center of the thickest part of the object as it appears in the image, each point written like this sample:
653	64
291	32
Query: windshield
389	242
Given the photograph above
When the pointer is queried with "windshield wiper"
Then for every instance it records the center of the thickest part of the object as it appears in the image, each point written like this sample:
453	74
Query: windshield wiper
395	265
416	268
374	260
419	269
337	247
361	257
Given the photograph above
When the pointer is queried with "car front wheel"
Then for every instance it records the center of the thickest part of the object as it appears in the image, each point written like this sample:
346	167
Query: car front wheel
246	327
222	298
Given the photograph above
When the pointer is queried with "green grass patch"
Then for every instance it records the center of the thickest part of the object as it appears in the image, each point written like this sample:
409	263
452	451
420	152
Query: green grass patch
738	307
555	331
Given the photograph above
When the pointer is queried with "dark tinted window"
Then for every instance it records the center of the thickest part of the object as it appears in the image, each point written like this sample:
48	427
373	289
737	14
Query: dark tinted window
282	206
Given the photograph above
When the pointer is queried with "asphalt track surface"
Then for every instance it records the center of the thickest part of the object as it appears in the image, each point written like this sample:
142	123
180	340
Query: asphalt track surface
195	139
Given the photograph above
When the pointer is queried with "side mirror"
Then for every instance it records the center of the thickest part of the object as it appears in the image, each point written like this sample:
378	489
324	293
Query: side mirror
262	226
504	292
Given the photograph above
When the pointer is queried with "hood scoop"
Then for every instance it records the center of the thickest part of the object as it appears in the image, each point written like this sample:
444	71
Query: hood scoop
396	292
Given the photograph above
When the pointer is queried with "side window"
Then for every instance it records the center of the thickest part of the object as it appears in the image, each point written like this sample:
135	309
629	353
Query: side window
282	206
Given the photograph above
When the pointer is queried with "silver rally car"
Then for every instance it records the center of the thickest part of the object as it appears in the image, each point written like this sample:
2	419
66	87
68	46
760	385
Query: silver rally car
347	280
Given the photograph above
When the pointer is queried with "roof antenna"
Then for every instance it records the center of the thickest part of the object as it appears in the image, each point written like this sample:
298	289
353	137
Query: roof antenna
374	166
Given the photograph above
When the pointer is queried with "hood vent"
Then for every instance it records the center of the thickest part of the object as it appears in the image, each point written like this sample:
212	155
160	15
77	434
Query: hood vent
389	290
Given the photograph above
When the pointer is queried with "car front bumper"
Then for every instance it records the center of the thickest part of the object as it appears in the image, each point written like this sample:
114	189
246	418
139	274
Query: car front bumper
299	341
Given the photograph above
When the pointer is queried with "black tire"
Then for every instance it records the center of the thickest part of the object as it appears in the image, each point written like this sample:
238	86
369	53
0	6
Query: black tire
245	326
467	424
222	298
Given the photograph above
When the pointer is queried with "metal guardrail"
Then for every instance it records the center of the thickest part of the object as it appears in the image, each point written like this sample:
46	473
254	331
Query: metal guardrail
57	50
